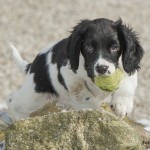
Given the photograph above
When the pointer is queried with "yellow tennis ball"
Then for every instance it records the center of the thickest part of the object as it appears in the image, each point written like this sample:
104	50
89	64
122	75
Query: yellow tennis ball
109	83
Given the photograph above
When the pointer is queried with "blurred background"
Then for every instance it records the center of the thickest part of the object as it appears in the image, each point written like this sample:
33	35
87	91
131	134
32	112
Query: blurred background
32	24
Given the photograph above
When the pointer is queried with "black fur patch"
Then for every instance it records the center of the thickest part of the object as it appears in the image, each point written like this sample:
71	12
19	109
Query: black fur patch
41	76
59	55
60	58
132	51
61	80
27	68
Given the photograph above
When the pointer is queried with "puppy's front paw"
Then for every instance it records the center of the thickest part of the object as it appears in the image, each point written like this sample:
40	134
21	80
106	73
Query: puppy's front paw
121	106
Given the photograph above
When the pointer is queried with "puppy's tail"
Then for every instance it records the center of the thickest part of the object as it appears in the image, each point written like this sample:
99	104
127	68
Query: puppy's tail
21	63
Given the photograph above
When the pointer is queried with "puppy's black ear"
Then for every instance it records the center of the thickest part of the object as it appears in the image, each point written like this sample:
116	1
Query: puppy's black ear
74	44
132	52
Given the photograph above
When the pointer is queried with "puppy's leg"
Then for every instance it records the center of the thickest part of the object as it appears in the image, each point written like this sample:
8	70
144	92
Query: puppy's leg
15	109
5	119
25	100
122	99
3	106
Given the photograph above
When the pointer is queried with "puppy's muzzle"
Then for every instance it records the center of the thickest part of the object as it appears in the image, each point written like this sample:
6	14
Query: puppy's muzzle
101	69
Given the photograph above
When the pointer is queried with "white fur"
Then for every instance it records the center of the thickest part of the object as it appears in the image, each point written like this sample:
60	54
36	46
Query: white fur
3	106
122	99
81	94
21	63
25	100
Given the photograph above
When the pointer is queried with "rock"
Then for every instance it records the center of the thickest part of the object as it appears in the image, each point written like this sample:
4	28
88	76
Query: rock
83	130
48	108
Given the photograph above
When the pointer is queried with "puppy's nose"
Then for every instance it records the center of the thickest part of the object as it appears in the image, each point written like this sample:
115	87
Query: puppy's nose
101	69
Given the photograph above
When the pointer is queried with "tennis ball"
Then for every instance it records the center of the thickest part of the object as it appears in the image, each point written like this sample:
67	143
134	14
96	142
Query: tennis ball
109	83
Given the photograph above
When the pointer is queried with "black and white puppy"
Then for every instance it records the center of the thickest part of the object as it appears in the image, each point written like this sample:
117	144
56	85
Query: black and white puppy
63	72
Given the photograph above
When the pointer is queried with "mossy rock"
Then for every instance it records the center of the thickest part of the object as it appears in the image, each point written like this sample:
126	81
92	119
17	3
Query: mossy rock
83	130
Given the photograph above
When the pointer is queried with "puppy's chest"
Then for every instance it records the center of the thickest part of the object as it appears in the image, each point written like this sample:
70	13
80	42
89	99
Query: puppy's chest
81	96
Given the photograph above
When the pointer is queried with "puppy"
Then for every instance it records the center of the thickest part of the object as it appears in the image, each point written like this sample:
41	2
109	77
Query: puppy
63	72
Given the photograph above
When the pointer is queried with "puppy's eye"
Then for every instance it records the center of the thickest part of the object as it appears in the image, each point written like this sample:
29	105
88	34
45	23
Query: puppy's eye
89	48
114	48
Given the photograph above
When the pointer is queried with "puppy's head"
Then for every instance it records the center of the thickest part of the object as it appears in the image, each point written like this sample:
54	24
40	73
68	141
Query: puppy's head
102	42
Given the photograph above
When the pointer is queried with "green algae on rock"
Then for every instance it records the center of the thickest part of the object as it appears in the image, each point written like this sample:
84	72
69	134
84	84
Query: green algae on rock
83	130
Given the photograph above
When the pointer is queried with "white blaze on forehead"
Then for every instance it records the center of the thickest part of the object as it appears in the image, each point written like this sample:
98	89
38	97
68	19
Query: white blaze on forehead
102	61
